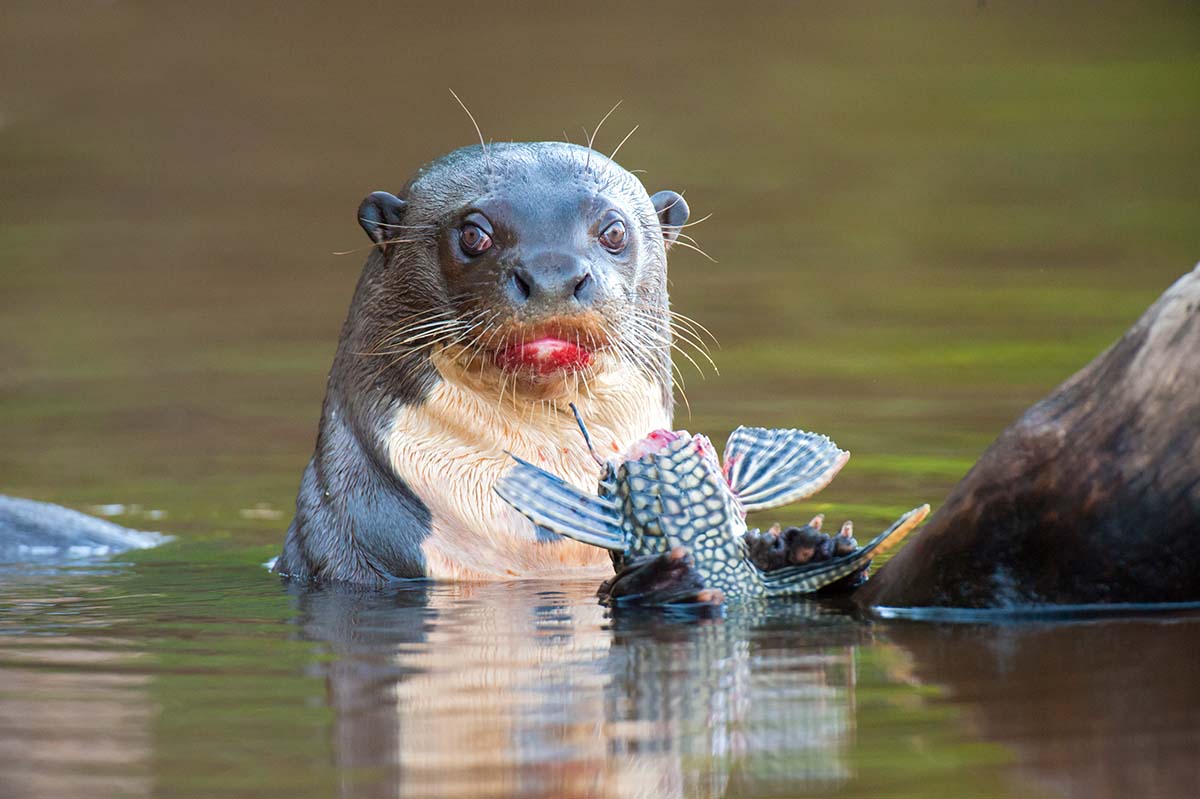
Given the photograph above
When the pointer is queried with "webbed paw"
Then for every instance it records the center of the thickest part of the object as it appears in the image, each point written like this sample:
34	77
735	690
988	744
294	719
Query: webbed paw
666	579
798	546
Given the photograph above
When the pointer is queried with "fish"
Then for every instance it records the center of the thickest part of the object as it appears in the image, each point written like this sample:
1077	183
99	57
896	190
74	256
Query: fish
669	502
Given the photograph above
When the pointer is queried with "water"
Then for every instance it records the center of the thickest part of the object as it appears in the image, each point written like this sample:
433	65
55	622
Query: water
923	220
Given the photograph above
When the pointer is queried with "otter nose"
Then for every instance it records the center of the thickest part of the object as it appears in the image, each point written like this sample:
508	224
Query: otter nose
552	283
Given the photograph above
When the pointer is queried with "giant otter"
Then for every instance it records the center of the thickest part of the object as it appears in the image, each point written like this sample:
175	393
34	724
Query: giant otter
506	282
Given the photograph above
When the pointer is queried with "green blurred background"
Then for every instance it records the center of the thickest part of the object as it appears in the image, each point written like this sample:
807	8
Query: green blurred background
924	215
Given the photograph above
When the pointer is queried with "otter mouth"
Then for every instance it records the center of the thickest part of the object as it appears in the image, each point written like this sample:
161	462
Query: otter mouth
550	350
544	356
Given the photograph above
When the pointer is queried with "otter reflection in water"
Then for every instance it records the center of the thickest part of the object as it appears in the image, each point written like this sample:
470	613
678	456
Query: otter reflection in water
501	690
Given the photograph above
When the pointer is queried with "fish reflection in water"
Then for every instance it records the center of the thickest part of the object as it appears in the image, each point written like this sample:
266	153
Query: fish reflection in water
494	691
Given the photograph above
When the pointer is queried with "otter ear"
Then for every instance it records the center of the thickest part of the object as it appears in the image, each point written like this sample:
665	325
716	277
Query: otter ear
672	213
378	212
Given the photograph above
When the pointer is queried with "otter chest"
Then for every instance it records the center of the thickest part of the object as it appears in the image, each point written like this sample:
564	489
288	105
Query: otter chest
453	448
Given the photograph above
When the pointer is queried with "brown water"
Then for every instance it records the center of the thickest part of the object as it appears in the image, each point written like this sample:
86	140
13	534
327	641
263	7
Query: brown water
923	219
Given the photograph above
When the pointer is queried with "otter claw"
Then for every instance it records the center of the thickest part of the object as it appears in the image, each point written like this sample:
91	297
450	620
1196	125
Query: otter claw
843	542
666	579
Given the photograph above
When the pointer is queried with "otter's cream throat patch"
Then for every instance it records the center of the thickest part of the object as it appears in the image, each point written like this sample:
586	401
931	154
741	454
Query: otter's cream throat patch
451	449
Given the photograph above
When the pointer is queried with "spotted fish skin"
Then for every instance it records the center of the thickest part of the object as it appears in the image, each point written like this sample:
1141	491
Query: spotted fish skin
673	492
679	497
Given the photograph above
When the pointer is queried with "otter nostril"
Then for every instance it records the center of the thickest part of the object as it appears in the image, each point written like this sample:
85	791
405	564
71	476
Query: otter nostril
521	285
584	283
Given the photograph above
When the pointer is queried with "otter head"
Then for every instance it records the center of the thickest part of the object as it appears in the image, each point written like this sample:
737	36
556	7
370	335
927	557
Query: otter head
526	267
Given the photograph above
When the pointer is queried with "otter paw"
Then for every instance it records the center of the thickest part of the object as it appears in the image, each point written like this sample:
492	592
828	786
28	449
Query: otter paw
666	579
798	546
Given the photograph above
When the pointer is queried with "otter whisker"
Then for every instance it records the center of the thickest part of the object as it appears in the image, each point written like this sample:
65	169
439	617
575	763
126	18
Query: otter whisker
424	312
674	203
495	332
487	157
685	336
424	341
663	350
700	351
490	330
640	359
398	227
649	339
693	325
399	241
474	350
442	332
688	224
593	344
404	354
654	371
417	332
622	144
453	320
592	138
407	326
373	245
434	314
504	382
414	321
684	244
690	359
449	336
424	334
667	324
582	376
458	339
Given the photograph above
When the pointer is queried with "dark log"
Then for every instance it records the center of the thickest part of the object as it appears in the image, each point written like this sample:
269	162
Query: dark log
1092	496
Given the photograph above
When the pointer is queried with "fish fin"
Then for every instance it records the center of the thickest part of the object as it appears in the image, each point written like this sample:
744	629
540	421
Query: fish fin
807	578
553	504
770	468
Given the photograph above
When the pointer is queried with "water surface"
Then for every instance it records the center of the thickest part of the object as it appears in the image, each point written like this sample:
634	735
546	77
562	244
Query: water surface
922	220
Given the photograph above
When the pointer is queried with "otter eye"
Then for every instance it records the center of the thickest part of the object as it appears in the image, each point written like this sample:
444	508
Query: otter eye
474	239
613	237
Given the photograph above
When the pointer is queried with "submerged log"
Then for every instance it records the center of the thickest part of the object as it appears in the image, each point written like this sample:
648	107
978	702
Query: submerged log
1092	496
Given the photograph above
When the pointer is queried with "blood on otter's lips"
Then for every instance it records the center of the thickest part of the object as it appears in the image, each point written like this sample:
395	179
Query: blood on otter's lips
544	356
